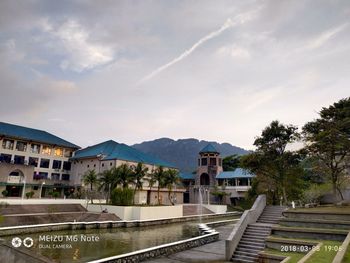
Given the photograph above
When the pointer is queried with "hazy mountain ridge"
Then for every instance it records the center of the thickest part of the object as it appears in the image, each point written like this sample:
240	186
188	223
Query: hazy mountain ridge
184	152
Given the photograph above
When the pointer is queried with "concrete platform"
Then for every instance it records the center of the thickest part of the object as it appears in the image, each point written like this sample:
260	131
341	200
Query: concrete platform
213	252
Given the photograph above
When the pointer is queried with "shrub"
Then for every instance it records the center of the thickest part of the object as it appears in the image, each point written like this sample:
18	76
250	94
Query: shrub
315	192
5	193
29	194
122	196
55	194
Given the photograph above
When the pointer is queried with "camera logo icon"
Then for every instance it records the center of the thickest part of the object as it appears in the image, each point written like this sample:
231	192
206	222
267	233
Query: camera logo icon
16	242
27	242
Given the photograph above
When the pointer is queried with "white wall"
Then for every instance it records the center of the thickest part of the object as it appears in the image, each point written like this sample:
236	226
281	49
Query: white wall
217	209
140	212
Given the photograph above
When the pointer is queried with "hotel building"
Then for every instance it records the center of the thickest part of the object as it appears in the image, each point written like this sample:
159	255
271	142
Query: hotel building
34	160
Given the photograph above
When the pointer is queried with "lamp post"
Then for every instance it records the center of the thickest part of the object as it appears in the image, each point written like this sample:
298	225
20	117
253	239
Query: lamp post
41	188
24	188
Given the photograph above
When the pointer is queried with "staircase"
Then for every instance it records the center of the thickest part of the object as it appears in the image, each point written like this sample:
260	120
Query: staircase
253	239
271	214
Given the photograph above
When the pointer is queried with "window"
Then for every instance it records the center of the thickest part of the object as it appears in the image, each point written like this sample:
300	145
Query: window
55	176
94	165
212	161
204	161
110	164
88	166
21	146
199	162
67	166
35	148
40	175
103	165
7	144
59	152
43	175
33	161
46	150
19	159
56	164
65	177
220	162
44	163
5	158
68	153
14	173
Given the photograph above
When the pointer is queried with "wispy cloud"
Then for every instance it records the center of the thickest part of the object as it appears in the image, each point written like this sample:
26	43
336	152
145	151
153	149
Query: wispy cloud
240	19
324	37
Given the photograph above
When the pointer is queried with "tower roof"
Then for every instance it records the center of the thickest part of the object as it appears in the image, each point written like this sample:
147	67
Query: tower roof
209	149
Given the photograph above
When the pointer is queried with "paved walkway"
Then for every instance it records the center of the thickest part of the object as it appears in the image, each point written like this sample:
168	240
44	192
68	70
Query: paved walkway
212	252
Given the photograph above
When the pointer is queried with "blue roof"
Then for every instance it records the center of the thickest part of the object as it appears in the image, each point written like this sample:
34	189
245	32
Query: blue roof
238	173
209	149
187	176
111	150
24	133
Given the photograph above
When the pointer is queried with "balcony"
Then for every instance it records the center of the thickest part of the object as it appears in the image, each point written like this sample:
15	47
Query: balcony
241	188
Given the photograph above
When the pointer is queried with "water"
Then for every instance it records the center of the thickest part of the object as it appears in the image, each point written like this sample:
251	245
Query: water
111	241
200	201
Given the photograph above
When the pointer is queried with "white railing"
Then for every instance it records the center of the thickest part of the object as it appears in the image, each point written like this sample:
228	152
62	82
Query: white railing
248	217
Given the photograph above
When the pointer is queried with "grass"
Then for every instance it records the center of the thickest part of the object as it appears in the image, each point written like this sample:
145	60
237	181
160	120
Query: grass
327	252
294	256
347	255
324	209
325	255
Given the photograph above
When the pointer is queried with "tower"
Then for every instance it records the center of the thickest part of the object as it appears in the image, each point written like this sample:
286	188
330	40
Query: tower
209	166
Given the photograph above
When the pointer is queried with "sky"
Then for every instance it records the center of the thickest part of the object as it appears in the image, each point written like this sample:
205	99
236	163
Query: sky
133	71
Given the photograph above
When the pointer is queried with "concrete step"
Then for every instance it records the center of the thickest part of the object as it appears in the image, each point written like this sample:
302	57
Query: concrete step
244	257
242	260
245	253
256	250
251	239
251	247
249	243
257	231
255	234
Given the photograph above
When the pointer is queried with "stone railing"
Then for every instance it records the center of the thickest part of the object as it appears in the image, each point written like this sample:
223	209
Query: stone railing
248	217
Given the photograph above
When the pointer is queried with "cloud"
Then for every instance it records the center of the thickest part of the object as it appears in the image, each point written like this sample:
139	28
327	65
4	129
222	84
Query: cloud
80	52
324	37
239	19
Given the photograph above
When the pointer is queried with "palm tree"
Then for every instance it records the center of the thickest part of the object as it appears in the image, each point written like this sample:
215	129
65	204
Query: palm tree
90	178
171	178
122	175
159	176
105	182
139	172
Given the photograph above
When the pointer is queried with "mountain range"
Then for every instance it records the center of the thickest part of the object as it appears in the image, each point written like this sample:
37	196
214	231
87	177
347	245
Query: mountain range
183	153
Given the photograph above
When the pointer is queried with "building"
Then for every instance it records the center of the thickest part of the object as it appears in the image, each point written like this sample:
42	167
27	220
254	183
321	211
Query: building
210	177
34	160
109	154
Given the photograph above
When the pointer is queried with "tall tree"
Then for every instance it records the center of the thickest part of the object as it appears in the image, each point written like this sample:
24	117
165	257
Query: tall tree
328	139
230	163
271	161
90	178
105	183
159	176
139	173
122	175
171	179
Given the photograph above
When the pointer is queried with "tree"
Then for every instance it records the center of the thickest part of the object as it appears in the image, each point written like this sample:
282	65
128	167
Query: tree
90	178
139	173
105	183
272	163
230	163
328	139
122	175
171	178
159	176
